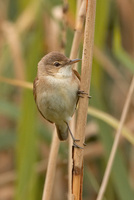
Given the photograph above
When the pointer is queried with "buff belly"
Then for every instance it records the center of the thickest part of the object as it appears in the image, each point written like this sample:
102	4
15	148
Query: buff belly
59	103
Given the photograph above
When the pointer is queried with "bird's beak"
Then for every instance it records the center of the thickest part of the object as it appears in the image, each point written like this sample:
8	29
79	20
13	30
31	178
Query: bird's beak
74	61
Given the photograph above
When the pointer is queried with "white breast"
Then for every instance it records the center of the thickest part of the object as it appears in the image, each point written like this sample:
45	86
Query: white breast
65	71
60	102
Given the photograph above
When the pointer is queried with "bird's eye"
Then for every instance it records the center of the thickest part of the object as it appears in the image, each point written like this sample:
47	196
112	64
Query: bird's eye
56	64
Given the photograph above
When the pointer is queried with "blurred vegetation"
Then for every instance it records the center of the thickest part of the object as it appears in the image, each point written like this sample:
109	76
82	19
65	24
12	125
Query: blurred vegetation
29	30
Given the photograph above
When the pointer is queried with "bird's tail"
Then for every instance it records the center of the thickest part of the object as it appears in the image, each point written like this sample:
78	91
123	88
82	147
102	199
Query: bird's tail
62	131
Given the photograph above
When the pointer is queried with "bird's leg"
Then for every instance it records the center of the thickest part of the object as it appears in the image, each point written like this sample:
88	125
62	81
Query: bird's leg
72	134
74	140
81	93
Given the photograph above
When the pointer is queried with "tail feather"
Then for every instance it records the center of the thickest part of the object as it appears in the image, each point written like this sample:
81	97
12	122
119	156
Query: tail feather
62	131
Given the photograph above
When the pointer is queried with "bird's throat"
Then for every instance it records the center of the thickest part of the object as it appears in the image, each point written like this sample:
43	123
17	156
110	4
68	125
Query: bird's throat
64	72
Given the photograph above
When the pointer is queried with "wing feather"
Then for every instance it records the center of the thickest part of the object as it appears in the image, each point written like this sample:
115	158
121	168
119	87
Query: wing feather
76	74
79	78
35	83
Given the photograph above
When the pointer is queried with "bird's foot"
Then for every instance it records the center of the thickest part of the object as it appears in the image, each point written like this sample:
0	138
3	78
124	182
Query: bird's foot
81	94
84	144
74	140
76	145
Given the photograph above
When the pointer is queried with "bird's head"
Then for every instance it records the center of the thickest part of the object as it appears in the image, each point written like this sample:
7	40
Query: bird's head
56	64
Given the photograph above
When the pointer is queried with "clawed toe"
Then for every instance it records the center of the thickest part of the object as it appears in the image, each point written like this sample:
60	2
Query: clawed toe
84	144
77	146
76	140
81	94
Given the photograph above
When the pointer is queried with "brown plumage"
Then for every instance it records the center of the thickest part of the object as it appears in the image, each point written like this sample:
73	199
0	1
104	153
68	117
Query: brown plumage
35	95
55	91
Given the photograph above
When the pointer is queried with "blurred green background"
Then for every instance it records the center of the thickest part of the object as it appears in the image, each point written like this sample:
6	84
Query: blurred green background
29	30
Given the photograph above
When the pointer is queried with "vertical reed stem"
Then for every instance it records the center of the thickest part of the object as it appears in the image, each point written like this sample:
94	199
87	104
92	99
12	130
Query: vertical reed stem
74	51
50	175
83	102
116	142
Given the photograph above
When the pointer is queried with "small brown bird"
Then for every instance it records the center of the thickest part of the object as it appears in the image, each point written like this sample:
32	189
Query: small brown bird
56	91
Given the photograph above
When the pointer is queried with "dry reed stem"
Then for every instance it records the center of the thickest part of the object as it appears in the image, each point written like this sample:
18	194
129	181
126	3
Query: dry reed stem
7	193
27	17
83	102
52	30
74	51
12	37
18	83
92	111
78	8
64	25
116	142
78	30
94	150
50	175
112	122
70	161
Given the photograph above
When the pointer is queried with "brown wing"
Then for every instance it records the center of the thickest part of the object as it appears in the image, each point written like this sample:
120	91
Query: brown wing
77	74
34	87
35	97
